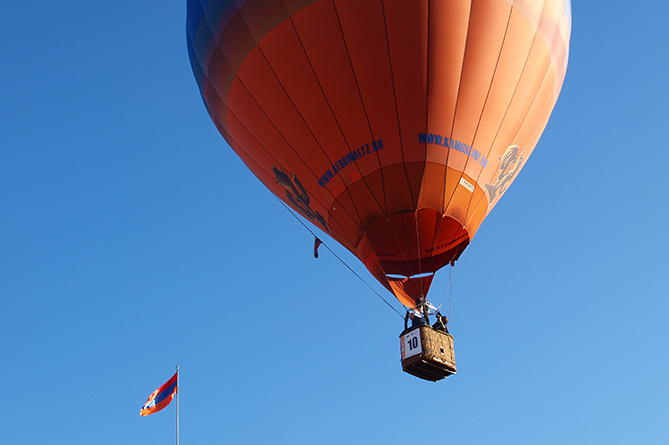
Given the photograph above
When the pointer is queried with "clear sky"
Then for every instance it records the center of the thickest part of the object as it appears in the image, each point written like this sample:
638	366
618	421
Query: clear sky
133	239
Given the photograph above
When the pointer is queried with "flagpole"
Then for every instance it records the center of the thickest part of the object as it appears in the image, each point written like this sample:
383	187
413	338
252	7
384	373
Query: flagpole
177	404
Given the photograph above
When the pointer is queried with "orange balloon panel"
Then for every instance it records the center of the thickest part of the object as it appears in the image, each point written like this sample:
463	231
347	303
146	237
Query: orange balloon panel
394	126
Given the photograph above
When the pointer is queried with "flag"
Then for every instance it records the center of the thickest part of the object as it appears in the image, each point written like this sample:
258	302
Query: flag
317	244
161	397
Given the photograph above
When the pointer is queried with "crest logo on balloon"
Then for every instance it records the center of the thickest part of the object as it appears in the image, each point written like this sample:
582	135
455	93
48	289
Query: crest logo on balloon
508	169
298	196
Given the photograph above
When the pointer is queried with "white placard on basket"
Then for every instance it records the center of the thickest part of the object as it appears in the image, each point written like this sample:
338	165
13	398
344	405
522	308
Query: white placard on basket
411	344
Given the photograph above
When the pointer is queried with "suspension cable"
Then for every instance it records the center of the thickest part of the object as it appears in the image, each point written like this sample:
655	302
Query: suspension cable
337	256
450	291
449	285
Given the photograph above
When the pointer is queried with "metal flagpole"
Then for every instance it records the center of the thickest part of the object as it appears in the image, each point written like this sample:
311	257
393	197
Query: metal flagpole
177	404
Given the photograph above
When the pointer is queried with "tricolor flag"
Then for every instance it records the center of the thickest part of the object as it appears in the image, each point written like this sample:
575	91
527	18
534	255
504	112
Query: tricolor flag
161	397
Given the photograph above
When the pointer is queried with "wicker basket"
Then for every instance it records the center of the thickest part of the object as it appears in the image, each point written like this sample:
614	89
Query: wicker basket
427	353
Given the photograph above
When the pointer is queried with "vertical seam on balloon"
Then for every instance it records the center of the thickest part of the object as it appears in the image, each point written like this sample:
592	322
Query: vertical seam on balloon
369	125
264	148
397	113
427	108
420	266
483	108
457	100
260	168
534	40
550	62
548	67
399	129
378	262
448	153
305	124
406	238
482	199
485	102
360	223
382	247
370	128
399	245
335	119
385	212
330	227
427	119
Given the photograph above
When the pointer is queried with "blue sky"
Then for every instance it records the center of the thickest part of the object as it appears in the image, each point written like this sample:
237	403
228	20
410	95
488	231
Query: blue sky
132	239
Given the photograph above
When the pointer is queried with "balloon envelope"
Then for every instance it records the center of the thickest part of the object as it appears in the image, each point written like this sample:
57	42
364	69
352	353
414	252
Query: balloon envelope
395	126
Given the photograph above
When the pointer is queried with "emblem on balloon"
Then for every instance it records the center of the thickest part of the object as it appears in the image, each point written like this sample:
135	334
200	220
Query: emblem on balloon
298	196
508	169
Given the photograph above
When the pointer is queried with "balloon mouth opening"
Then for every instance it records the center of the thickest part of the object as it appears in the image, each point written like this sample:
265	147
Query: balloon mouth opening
412	244
404	250
395	277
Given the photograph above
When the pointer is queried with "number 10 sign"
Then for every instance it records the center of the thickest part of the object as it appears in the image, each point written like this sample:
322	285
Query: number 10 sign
411	344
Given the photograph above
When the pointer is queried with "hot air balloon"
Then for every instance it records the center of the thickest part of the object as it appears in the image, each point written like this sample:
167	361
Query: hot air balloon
394	126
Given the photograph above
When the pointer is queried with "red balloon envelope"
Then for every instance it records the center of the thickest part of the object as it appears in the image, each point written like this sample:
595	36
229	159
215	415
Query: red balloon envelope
393	125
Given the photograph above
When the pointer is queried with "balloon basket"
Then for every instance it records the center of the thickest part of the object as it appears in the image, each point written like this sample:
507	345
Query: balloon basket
427	353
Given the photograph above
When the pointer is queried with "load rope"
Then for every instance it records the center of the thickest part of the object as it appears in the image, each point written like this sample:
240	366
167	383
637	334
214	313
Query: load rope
337	256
